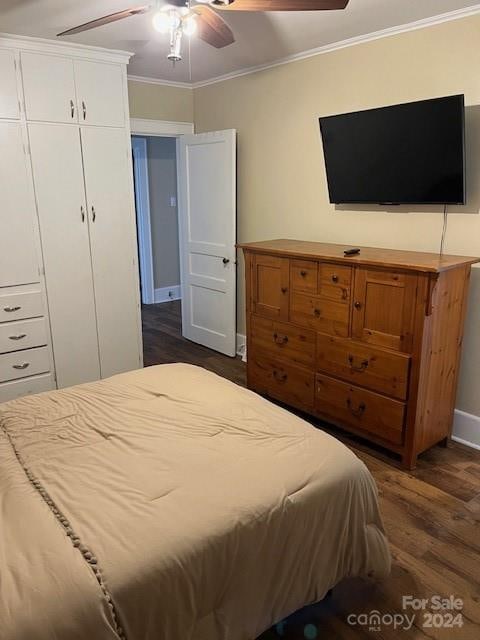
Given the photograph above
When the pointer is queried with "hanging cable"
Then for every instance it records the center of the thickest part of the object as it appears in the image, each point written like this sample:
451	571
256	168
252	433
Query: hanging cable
444	230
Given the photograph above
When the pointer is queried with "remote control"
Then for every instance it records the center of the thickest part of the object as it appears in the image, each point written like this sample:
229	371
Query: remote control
351	252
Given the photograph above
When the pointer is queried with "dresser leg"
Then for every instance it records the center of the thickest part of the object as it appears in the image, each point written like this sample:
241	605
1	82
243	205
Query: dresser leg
409	460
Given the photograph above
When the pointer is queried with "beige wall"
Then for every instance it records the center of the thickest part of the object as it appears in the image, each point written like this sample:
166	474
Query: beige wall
282	189
159	102
162	178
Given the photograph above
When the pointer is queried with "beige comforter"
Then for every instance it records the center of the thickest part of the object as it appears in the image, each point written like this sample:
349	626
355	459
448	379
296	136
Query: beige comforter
171	504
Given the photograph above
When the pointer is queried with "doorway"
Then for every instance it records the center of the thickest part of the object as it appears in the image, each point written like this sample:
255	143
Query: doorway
186	240
155	181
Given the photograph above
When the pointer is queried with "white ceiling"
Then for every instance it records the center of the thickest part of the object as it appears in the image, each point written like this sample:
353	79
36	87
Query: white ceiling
261	38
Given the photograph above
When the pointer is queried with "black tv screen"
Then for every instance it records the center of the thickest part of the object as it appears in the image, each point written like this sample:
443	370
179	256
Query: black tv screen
406	154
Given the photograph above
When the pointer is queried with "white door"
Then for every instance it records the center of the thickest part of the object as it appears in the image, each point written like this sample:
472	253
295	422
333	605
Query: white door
18	251
49	88
9	107
111	210
60	191
207	227
100	93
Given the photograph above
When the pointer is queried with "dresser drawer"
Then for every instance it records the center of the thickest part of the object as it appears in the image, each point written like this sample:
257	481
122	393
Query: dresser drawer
360	409
285	382
25	387
283	340
320	314
17	306
23	363
304	275
377	369
23	334
335	282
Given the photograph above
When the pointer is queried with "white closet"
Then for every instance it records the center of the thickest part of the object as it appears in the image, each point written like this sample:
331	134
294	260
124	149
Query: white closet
67	221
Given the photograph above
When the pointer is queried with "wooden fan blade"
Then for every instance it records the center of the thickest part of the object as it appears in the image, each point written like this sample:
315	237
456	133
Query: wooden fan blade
212	28
281	5
112	17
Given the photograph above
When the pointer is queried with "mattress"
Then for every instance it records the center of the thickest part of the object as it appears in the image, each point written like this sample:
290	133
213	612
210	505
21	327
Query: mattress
170	504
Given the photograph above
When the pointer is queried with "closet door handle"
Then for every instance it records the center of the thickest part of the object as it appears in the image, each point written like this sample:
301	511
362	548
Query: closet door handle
82	213
84	109
24	365
94	214
10	309
19	336
72	109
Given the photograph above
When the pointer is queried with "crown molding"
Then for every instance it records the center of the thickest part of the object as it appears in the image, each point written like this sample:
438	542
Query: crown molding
166	83
62	47
328	48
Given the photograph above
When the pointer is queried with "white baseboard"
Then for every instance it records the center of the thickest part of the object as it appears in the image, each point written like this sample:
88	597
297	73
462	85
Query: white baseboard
242	346
466	429
167	294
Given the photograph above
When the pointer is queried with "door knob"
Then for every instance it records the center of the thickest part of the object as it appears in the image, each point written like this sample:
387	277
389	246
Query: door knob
225	260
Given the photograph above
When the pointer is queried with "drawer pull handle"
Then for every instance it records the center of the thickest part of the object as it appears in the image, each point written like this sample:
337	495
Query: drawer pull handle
19	336
10	309
317	313
358	305
280	339
359	411
334	278
279	377
284	289
24	365
303	273
344	293
353	367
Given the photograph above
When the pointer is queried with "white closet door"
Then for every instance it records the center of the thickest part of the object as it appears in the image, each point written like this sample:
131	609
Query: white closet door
9	107
49	88
59	186
18	253
100	93
108	182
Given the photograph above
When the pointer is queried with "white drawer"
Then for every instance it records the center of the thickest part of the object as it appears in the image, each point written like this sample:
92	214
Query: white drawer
27	386
23	334
17	306
23	363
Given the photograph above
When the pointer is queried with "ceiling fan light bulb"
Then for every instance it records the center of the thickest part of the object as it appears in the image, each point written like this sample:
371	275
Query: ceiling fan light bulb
189	25
167	19
161	22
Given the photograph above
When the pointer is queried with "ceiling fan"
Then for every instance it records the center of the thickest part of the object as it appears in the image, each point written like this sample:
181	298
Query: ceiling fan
179	17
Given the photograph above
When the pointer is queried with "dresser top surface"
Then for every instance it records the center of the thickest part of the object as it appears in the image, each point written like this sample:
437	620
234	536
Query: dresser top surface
392	258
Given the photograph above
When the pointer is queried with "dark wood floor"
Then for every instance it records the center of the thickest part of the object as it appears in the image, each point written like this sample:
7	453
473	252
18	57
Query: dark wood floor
432	518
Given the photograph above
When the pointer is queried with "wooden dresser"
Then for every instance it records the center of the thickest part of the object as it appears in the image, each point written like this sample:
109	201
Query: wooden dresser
370	343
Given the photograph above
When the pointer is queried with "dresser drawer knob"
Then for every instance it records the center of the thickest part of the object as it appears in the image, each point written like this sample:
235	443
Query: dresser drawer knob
317	313
334	278
354	367
18	336
24	365
359	411
358	305
284	289
280	339
10	309
303	273
279	377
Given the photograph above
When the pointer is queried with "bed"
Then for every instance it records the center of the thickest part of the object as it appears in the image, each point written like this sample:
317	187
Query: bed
171	504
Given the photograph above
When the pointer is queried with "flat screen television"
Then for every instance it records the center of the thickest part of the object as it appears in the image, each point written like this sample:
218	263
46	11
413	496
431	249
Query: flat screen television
405	154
